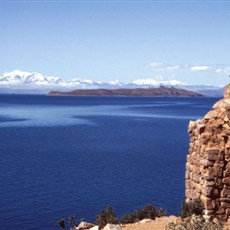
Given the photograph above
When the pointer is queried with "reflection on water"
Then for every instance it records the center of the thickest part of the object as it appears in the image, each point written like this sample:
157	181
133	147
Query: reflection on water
44	115
39	116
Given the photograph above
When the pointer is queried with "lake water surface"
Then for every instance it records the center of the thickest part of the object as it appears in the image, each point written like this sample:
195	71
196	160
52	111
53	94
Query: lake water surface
63	156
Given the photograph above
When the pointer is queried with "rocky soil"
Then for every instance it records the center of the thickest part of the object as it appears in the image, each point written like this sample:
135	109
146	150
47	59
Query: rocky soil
147	224
158	224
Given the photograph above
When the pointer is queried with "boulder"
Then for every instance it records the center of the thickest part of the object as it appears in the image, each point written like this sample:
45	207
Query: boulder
85	225
145	221
112	227
95	228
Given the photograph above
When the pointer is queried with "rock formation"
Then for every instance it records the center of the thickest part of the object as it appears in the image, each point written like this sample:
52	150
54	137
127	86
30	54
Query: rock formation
208	164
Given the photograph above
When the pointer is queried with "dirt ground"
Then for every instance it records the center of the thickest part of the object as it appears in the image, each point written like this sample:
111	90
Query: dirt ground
158	224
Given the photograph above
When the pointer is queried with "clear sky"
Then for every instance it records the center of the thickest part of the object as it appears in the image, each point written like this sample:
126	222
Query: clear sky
124	40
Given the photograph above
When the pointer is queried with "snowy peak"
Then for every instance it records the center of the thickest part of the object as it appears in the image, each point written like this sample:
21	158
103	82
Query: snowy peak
32	81
79	81
152	82
116	83
16	73
18	77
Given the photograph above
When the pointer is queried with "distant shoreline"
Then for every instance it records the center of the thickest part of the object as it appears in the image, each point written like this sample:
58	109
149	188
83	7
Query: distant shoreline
166	92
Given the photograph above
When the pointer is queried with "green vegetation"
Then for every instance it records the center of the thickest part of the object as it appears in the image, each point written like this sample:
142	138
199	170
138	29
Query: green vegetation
191	217
108	216
189	208
61	223
71	223
147	212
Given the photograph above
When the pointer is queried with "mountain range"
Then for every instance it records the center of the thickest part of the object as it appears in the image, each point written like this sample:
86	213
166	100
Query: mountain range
32	82
149	92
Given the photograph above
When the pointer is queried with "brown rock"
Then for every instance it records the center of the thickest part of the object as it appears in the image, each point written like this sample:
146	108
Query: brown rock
211	114
225	204
220	211
227	91
205	138
210	192
196	186
226	119
212	173
200	128
224	103
206	163
227	157
212	154
191	126
210	183
209	205
226	173
207	191
225	193
226	180
187	175
227	211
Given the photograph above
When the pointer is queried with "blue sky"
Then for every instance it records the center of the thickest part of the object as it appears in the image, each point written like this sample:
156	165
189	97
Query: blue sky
124	40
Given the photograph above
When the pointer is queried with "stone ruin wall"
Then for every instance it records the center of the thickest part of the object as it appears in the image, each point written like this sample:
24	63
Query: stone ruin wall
208	164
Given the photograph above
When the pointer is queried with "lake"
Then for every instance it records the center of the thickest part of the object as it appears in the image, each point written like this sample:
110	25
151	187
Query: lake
64	156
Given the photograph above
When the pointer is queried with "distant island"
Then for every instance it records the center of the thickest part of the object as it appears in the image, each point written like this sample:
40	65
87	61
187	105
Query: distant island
162	91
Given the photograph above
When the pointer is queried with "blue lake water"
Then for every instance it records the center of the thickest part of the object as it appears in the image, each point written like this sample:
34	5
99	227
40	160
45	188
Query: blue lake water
63	156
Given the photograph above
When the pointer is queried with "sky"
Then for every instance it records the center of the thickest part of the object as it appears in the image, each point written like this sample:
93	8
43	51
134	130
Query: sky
120	40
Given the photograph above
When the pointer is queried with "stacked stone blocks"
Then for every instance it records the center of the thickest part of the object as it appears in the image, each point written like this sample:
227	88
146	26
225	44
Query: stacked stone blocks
208	164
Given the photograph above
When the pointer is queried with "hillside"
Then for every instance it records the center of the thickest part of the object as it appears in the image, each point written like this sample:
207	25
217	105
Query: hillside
128	92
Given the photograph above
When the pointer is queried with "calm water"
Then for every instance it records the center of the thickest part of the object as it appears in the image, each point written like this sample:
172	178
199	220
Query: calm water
63	156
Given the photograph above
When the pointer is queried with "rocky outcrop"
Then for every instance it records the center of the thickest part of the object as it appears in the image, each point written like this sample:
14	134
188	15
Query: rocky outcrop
208	164
85	225
112	227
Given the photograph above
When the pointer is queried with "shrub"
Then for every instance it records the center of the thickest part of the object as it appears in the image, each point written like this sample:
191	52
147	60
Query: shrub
107	216
61	223
72	222
147	212
189	208
127	219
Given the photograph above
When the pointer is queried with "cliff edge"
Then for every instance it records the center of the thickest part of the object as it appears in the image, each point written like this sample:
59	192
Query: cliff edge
208	165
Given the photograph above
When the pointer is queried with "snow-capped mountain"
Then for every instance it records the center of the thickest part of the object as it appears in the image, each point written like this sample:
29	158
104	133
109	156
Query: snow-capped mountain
24	79
33	82
18	77
21	78
153	82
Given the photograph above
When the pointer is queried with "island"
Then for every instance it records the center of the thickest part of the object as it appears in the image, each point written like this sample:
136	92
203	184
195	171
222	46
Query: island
162	91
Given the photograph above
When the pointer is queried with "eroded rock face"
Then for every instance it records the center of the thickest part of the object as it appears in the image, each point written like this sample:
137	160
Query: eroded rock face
208	164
